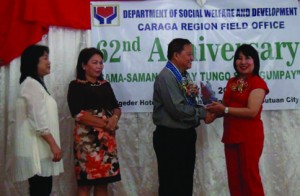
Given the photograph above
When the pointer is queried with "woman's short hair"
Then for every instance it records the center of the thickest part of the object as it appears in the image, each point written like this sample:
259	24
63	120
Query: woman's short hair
247	50
84	56
177	45
30	60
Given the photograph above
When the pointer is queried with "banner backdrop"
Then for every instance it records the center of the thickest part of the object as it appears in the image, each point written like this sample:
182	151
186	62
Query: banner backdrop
134	36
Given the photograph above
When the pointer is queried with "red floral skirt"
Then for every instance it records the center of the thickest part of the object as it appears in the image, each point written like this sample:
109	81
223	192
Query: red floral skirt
96	159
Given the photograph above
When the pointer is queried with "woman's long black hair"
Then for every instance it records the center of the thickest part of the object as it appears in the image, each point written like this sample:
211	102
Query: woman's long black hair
29	63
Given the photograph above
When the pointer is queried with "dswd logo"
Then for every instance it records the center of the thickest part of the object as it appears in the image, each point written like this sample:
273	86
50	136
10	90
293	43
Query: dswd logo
107	15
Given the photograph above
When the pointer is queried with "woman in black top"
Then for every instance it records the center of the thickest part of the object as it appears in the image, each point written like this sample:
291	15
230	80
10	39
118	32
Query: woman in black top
96	111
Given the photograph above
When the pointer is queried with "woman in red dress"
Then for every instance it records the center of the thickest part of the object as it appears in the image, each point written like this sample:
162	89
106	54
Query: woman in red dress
95	108
243	128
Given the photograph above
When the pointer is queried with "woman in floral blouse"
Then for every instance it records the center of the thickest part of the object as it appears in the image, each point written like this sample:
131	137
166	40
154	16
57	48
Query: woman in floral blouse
243	128
95	108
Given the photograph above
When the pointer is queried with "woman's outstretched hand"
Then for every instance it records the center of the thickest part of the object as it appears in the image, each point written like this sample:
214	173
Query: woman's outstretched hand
216	107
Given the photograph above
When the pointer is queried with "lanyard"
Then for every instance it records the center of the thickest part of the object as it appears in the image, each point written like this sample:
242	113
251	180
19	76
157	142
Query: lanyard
180	79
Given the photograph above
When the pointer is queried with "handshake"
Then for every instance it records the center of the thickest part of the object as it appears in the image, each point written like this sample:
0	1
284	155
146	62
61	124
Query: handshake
214	110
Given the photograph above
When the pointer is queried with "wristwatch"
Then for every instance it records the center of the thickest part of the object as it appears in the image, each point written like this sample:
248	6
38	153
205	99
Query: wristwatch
226	110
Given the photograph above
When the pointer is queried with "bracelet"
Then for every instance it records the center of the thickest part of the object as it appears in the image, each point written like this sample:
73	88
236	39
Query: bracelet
226	111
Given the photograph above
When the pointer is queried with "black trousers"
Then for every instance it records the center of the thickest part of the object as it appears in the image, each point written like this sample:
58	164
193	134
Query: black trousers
40	186
175	152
